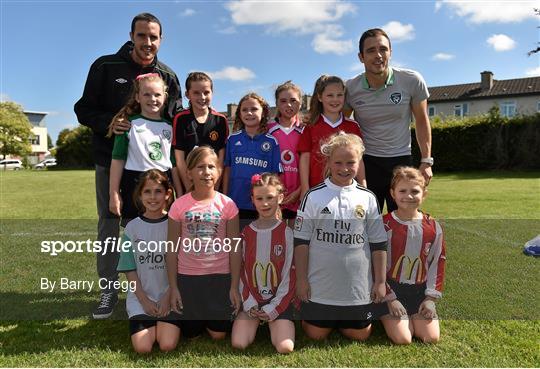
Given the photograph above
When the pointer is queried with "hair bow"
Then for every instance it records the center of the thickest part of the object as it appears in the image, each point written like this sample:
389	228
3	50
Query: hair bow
255	178
146	75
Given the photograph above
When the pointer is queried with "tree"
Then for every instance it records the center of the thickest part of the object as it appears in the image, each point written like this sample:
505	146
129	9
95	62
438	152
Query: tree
537	11
49	142
74	148
15	130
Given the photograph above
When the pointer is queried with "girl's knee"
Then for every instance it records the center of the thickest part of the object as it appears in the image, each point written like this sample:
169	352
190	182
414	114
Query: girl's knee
357	334
401	339
167	345
217	336
430	338
142	348
240	343
285	346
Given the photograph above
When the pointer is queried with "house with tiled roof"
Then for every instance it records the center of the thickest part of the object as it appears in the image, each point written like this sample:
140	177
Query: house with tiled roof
512	96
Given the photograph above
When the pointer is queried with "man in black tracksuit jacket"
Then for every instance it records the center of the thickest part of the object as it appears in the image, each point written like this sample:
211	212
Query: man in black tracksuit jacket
106	91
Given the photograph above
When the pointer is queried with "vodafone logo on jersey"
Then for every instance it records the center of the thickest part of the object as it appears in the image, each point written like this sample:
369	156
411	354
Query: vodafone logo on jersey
287	156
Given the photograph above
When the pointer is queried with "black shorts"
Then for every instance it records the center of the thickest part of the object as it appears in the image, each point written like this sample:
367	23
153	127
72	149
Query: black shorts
141	322
411	297
288	314
337	317
379	176
288	214
246	217
206	303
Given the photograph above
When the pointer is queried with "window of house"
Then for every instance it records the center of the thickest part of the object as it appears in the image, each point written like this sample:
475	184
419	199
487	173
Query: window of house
431	111
508	109
461	110
34	140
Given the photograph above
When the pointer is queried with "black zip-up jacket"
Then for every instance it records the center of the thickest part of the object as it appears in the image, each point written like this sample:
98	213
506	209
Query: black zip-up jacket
107	89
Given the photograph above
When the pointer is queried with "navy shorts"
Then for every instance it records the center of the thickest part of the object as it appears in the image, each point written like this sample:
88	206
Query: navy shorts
288	214
141	322
411	297
337	317
206	303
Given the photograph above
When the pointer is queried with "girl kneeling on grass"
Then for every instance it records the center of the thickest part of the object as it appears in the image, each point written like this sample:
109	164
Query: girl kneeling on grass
416	262
204	271
340	247
150	316
267	276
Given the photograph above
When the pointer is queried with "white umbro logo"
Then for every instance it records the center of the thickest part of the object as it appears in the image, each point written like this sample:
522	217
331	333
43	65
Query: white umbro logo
325	210
121	80
238	143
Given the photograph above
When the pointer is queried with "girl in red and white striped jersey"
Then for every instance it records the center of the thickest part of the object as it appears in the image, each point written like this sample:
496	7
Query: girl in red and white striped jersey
267	277
415	264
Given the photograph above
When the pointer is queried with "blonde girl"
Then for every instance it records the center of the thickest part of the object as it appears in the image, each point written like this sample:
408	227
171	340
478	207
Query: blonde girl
340	247
249	150
148	308
267	275
325	119
204	270
416	262
287	129
146	145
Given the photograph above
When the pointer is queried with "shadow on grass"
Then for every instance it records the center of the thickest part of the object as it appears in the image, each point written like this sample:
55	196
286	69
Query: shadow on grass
113	335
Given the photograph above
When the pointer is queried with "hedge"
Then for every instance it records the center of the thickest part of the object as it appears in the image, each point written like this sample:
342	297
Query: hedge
484	142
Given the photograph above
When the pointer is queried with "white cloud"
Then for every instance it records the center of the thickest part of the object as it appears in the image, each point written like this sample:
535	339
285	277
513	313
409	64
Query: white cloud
398	31
443	56
438	6
501	42
533	72
188	12
328	41
227	31
299	18
488	11
233	74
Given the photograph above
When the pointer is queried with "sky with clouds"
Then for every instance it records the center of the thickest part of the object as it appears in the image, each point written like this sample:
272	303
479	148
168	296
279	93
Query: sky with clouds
47	46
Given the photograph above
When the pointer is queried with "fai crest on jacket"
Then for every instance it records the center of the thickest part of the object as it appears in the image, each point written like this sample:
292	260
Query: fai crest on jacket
396	97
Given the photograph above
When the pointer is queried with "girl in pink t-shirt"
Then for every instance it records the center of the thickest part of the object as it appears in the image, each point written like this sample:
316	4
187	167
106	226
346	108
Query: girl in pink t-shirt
287	128
204	266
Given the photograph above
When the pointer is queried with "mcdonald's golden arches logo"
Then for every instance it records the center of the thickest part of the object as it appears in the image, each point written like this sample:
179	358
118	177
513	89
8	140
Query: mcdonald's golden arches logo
266	270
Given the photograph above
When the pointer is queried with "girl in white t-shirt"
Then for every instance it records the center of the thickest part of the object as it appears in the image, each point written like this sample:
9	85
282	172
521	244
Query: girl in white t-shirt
146	145
150	316
204	269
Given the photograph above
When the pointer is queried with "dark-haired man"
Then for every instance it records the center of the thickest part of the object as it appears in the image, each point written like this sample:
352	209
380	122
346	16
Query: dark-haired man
107	89
384	99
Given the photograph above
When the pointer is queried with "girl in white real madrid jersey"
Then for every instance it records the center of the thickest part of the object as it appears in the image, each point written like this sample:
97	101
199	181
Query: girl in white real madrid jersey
340	247
146	145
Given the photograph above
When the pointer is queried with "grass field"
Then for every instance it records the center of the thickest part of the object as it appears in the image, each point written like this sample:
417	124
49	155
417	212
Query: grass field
490	309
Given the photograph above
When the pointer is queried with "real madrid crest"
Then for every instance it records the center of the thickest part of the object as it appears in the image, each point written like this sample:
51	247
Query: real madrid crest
266	146
359	211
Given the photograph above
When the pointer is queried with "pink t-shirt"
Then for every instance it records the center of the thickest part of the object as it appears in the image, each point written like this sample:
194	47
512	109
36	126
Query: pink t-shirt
202	223
288	139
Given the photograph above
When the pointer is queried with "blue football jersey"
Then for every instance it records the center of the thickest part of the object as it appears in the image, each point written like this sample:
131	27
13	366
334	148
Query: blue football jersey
247	156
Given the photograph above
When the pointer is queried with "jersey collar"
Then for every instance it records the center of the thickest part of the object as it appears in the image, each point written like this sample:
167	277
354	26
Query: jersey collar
333	124
389	80
333	186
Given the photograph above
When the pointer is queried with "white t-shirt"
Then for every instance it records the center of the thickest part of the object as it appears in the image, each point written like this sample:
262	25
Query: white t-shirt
338	223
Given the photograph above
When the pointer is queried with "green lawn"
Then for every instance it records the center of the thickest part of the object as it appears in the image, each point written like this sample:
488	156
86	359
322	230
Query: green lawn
490	307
